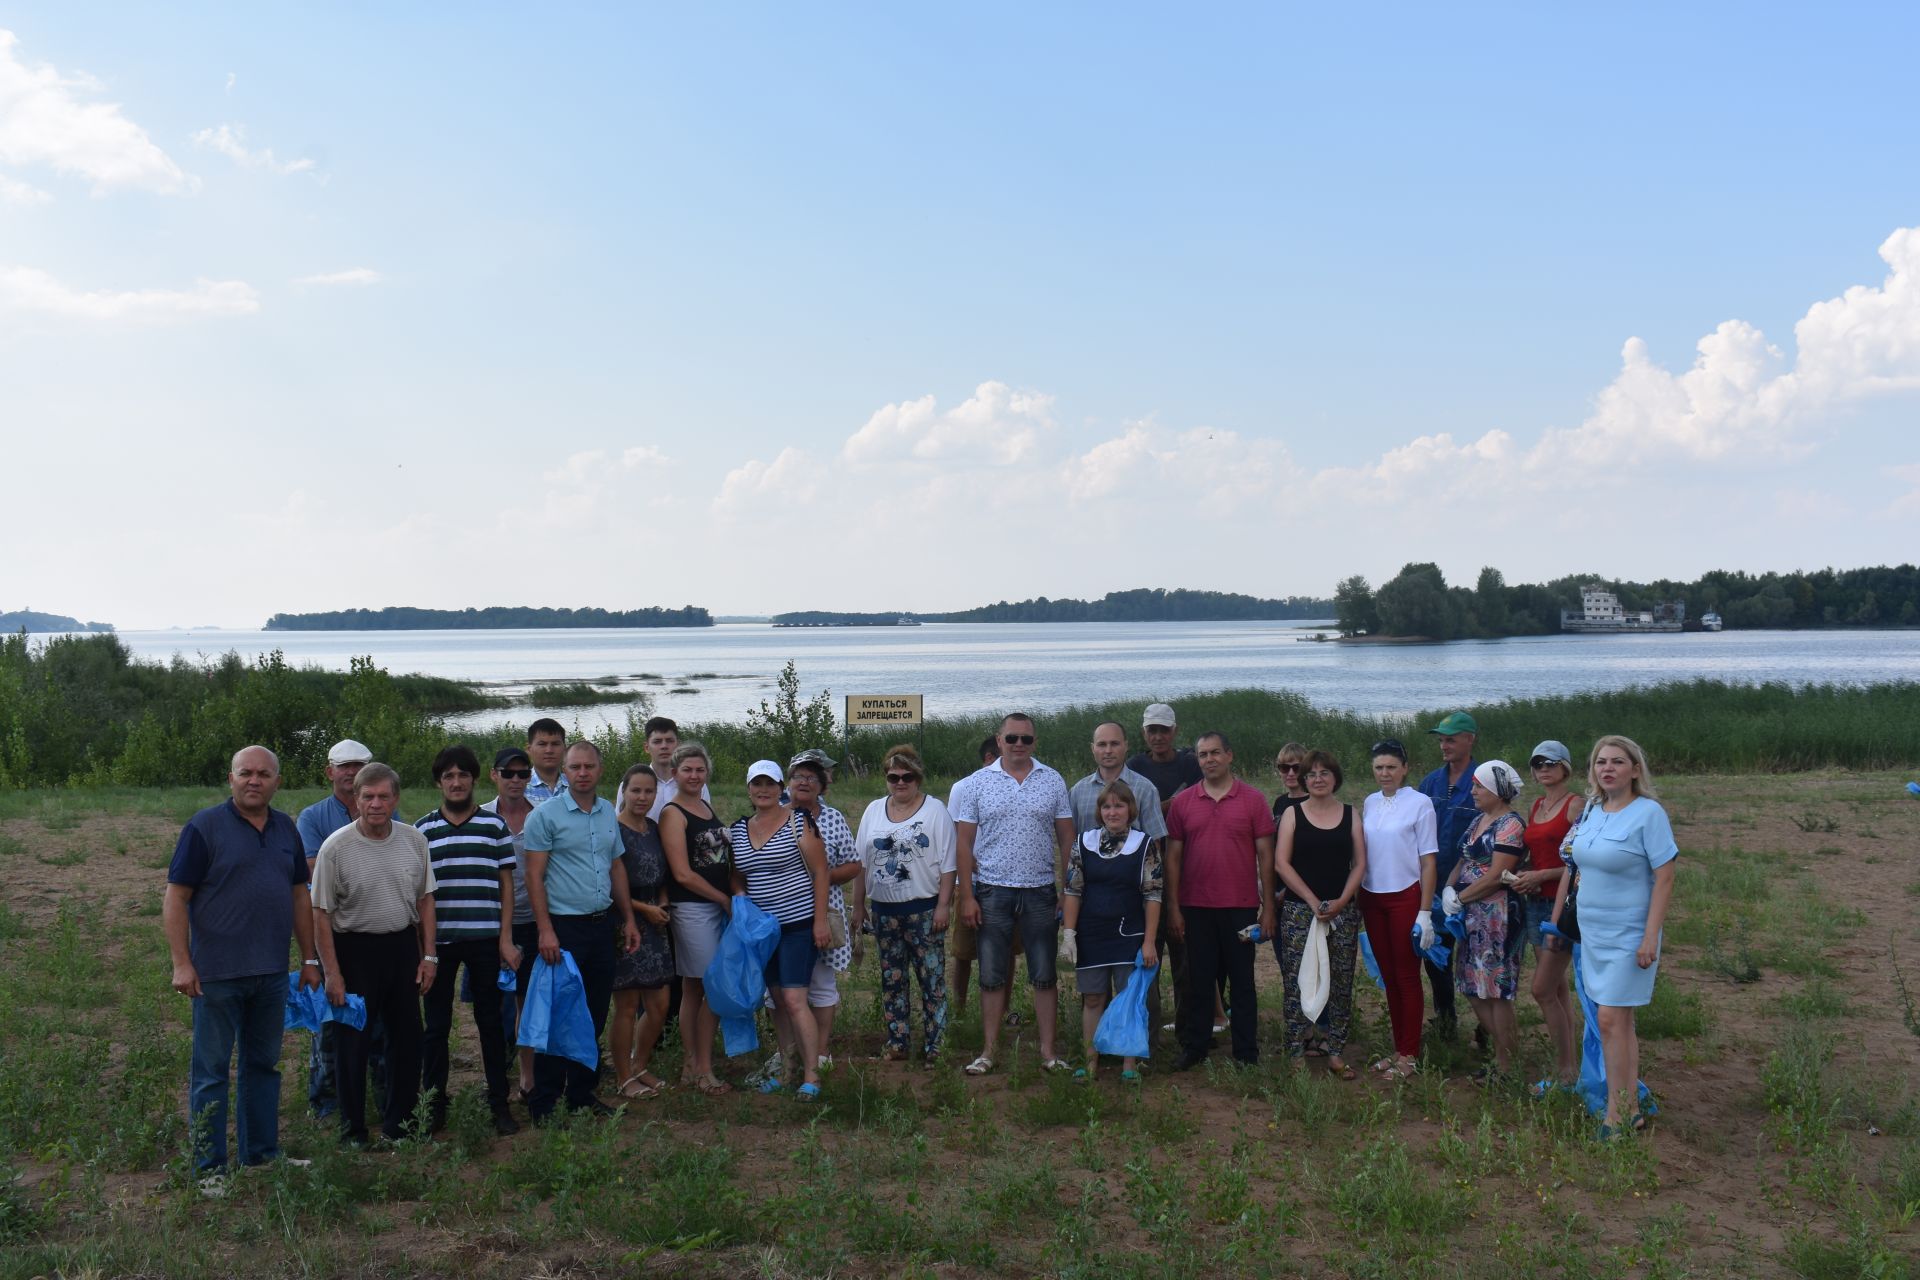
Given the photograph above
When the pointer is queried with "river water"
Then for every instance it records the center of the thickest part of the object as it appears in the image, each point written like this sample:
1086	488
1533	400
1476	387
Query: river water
718	673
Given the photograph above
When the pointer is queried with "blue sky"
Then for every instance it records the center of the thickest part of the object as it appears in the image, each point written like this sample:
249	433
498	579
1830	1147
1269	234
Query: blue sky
764	307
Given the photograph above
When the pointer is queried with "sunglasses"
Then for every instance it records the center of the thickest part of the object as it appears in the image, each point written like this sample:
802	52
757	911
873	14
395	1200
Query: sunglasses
896	779
514	773
1389	747
1542	762
1018	739
1286	768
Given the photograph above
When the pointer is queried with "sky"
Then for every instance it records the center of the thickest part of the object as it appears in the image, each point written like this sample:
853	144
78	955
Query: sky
765	307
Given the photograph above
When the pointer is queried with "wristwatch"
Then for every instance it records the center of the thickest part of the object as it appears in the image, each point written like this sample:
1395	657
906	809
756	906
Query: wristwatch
431	959
311	964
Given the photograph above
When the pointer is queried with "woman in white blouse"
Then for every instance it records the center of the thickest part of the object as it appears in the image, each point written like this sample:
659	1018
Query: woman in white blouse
1402	840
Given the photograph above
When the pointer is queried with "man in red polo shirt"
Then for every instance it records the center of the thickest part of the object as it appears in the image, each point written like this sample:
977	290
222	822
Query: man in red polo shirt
1219	872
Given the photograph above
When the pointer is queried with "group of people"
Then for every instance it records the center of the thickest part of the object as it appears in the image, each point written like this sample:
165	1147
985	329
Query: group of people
1164	853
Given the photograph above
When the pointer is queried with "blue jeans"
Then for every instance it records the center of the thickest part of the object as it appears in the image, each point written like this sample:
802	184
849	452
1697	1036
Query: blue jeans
249	1012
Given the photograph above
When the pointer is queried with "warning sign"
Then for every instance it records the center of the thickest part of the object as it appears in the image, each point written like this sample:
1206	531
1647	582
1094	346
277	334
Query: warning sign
883	709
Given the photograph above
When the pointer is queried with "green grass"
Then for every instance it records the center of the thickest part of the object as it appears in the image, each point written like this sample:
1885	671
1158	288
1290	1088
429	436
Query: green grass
580	694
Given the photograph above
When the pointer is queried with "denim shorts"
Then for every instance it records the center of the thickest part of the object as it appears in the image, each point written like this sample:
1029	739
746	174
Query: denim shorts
791	964
1029	914
1536	910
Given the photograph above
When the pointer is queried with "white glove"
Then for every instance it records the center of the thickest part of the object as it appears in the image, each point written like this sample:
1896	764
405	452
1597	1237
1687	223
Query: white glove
1425	927
1069	947
1450	901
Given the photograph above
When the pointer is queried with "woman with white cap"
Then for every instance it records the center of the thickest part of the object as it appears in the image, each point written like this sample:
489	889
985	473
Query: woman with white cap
780	863
1549	819
1486	964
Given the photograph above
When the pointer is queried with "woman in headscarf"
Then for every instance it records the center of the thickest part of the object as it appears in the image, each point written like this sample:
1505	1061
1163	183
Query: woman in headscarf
1487	963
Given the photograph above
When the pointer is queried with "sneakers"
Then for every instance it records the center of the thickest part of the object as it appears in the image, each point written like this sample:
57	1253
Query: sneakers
213	1186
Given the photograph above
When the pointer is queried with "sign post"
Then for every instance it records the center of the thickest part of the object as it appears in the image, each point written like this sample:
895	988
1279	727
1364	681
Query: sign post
882	711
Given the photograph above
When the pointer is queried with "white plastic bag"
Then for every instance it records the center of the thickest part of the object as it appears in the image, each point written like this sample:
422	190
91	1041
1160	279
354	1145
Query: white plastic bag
1316	971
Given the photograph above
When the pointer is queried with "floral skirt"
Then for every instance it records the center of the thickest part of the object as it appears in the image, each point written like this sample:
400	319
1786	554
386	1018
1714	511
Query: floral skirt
1487	965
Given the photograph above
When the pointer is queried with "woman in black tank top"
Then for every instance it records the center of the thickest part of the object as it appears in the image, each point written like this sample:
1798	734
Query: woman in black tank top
1321	856
699	864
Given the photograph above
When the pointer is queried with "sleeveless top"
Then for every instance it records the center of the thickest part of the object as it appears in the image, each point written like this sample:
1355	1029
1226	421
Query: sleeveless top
1323	857
777	878
709	854
1111	876
1544	840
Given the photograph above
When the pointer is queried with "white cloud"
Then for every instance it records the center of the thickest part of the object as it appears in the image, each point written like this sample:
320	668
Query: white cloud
230	140
44	120
232	79
15	192
29	291
997	424
1739	400
774	488
1201	468
352	275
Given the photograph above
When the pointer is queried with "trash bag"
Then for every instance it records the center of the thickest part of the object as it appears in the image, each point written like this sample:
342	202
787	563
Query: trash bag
509	979
736	980
1123	1027
1593	1064
307	1007
553	1015
1316	970
1438	955
1373	965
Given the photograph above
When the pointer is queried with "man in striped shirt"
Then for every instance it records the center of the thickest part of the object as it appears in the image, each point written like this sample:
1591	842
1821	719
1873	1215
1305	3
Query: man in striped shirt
473	869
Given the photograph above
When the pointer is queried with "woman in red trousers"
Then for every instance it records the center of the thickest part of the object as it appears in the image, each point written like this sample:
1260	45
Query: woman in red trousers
1395	896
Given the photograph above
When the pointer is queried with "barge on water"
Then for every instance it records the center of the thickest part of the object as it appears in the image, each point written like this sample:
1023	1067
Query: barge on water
1600	614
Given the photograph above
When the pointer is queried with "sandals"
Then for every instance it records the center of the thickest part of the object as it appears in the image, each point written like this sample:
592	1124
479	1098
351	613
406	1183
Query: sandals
1080	1076
890	1054
1401	1071
979	1066
807	1093
713	1086
1129	1076
636	1088
1341	1069
1056	1064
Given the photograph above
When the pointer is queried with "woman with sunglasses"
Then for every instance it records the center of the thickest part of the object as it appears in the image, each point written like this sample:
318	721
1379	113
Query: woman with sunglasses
1402	844
1321	853
1486	965
908	849
1549	819
1288	764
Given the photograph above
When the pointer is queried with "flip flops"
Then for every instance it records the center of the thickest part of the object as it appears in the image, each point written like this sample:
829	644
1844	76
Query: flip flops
979	1066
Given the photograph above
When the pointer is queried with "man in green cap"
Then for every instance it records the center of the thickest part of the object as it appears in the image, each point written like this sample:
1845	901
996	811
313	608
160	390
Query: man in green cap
1450	787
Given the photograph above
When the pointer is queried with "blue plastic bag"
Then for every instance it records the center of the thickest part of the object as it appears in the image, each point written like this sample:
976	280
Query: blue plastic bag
307	1007
1373	965
1438	954
509	980
1122	1032
737	980
1593	1063
553	1016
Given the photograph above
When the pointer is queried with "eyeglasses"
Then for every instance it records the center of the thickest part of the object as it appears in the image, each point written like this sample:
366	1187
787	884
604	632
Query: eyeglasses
1542	762
1018	739
1389	747
514	773
899	779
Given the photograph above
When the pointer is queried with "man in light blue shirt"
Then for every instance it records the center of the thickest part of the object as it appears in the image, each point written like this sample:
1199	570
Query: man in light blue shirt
316	823
574	877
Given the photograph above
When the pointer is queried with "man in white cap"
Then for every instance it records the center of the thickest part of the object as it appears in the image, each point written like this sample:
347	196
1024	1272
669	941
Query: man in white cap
316	823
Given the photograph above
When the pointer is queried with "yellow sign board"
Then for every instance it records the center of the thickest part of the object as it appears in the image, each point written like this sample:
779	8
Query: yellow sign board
883	709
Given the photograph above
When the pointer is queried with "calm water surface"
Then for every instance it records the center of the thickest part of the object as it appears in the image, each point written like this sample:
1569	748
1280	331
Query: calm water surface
717	673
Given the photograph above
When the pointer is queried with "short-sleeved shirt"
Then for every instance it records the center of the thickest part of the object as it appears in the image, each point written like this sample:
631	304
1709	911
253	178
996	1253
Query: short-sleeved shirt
1014	845
1453	813
522	905
372	886
906	860
582	845
1169	777
467	858
1400	831
241	914
1219	860
319	820
1085	799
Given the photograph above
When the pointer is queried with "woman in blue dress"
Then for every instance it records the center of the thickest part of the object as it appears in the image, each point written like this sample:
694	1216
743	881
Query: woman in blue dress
1111	912
1623	852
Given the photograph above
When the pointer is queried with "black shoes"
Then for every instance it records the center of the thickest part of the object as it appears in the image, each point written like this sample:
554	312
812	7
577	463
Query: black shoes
503	1122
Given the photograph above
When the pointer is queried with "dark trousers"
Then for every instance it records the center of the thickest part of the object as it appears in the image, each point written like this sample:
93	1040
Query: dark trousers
590	940
481	957
1214	949
380	968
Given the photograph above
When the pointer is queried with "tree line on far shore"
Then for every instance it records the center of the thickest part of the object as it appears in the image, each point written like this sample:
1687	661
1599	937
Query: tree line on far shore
491	618
1418	602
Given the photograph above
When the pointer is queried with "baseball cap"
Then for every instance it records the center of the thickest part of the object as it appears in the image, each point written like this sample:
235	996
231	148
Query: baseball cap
813	756
507	755
347	751
765	769
1554	751
1458	722
1158	713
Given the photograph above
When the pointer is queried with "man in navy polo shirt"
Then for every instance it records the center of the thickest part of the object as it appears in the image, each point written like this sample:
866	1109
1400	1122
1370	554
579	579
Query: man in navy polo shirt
1450	788
236	892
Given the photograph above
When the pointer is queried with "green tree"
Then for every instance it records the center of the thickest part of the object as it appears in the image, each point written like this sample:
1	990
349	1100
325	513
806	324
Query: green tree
1414	603
1490	604
787	726
1353	607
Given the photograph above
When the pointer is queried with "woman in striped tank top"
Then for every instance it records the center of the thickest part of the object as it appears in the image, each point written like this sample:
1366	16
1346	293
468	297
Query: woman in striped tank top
780	863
